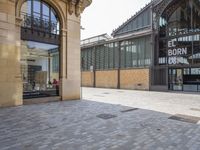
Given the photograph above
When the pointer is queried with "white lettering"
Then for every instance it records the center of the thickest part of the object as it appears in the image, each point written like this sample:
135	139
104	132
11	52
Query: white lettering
171	44
174	52
184	51
172	60
177	52
169	52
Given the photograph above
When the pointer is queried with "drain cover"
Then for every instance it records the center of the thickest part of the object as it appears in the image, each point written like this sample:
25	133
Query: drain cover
185	118
128	110
106	116
106	93
99	95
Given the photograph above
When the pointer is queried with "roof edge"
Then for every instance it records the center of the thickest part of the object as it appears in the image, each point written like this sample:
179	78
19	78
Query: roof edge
132	17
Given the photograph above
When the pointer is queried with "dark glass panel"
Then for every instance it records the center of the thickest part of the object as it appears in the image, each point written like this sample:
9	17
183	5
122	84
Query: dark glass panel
179	25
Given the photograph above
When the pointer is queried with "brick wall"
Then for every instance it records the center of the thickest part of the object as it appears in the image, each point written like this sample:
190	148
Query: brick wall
107	79
134	79
87	78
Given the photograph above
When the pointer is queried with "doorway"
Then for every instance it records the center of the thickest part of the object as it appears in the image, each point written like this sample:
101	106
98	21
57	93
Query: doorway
184	79
175	79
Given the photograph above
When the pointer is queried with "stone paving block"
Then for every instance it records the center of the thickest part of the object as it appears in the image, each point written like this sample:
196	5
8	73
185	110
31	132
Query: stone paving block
73	125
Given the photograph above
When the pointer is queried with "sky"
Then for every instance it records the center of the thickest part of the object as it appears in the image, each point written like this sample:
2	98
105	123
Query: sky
103	16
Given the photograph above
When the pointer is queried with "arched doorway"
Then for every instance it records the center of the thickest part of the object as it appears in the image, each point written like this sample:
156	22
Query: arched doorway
40	49
179	44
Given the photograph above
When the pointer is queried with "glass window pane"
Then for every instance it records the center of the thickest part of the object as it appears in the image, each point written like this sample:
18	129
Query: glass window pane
148	51
45	12
116	55
53	17
106	48
111	55
134	53
102	59
141	52
26	7
36	8
123	54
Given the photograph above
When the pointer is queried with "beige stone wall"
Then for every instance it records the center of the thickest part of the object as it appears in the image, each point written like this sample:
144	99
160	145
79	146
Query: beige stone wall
87	78
107	79
10	76
134	79
10	46
71	71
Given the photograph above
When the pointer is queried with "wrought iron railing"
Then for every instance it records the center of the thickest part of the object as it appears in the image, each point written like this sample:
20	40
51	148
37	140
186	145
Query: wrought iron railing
38	23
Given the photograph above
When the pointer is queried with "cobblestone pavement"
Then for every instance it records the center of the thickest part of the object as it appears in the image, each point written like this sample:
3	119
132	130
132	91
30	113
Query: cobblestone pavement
74	125
167	102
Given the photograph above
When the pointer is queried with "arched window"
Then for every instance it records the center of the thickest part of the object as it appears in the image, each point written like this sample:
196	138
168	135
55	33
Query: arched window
40	16
40	44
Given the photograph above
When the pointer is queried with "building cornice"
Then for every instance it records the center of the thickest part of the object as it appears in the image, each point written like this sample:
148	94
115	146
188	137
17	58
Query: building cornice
77	5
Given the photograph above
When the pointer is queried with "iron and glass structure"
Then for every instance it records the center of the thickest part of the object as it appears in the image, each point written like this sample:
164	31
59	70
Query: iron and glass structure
40	22
163	38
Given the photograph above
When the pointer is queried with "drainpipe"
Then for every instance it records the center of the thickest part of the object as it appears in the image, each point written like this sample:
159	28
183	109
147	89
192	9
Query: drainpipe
119	65
94	68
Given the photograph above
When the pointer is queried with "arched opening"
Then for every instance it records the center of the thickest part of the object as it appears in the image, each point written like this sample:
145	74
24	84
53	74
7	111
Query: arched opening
179	44
40	49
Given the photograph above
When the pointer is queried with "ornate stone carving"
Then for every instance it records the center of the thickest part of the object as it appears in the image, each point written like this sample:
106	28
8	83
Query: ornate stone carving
18	21
78	6
70	7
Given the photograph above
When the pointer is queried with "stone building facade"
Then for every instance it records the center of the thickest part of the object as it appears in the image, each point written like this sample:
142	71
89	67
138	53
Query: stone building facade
11	84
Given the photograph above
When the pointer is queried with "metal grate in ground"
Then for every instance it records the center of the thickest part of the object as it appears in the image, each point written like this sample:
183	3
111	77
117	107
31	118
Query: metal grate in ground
106	116
185	118
128	110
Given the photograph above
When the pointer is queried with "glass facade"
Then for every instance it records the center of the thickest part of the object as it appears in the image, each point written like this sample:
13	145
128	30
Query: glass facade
40	66
39	69
125	54
184	79
179	42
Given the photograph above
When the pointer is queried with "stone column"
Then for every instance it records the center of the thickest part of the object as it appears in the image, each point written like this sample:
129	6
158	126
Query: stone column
71	81
10	76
